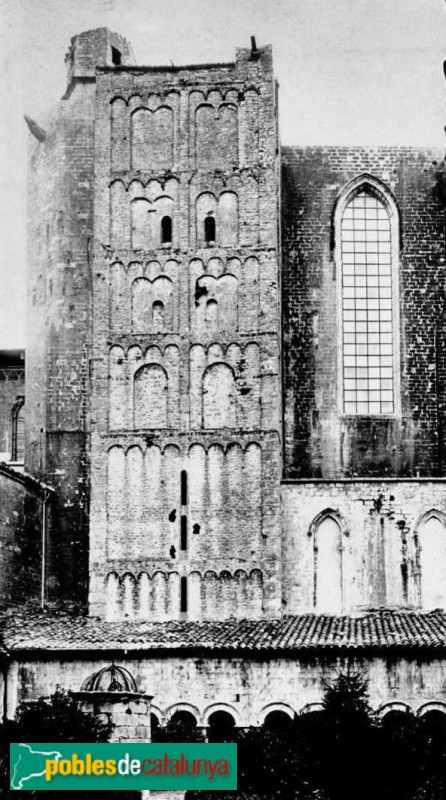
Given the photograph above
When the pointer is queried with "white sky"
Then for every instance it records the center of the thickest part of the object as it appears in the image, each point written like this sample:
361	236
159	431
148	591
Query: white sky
350	72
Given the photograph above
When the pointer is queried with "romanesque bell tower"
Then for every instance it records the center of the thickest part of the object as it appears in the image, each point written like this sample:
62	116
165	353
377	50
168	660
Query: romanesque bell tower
185	385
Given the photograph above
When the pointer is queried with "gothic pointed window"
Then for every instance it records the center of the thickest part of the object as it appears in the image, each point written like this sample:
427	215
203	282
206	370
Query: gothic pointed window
431	557
369	318
328	579
18	432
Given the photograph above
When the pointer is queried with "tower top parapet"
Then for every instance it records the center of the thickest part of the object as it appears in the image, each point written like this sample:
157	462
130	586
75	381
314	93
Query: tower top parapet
91	49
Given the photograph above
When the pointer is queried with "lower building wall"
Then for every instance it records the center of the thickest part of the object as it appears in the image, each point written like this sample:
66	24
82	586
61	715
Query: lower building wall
246	688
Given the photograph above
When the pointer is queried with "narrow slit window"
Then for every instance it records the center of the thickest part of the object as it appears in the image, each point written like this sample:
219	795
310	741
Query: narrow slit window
183	487
183	595
209	230
212	315
183	538
166	230
368	325
158	315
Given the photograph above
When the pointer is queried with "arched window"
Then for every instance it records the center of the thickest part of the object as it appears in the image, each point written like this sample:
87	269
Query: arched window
431	538
184	719
221	727
219	397
18	431
166	230
212	315
327	531
158	315
209	230
277	721
150	397
367	246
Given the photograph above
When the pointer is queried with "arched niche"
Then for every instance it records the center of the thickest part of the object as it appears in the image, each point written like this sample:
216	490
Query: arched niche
150	397
328	530
219	398
431	545
152	139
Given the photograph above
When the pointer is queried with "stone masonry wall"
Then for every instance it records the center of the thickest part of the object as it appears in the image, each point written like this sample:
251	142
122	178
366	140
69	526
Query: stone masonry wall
319	440
60	213
385	548
247	688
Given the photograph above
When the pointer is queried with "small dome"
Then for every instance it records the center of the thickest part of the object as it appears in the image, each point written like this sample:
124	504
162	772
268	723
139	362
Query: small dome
110	679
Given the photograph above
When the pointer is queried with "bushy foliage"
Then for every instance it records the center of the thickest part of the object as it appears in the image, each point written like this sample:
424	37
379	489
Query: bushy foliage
343	752
59	718
176	730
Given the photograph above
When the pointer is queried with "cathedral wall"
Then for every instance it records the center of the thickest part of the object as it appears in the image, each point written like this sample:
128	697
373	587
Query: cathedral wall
320	441
247	688
356	545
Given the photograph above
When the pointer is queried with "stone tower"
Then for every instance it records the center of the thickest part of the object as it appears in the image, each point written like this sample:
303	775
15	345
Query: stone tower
185	385
59	312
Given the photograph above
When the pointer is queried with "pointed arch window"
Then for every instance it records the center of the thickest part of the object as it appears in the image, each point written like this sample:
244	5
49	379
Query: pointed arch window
367	234
431	557
328	531
18	431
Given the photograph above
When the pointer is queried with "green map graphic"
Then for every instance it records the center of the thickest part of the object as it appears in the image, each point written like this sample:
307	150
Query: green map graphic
35	769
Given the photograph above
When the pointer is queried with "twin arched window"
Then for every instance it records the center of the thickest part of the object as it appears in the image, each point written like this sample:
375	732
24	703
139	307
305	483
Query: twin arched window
366	224
328	531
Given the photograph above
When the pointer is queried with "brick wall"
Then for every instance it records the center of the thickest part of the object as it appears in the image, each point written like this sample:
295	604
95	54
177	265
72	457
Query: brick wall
319	441
20	539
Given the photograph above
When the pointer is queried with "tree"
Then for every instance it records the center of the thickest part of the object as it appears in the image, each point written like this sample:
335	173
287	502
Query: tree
59	718
345	741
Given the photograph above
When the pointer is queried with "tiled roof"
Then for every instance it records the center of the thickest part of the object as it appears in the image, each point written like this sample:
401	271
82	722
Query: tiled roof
375	630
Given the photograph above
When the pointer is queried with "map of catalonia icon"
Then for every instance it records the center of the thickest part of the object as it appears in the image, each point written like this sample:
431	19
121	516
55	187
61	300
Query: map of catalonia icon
30	764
